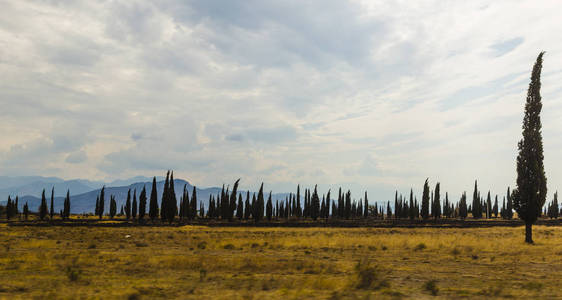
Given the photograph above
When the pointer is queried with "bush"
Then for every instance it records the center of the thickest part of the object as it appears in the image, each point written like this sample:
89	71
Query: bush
420	247
73	273
431	286
202	245
369	276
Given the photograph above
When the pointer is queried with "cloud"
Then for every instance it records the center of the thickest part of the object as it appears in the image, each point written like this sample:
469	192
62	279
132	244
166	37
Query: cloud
370	95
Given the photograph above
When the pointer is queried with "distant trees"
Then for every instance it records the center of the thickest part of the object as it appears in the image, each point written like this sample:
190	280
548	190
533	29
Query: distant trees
142	204
66	206
553	210
425	200
43	207
128	205
134	207
101	203
463	210
153	207
530	194
112	207
52	210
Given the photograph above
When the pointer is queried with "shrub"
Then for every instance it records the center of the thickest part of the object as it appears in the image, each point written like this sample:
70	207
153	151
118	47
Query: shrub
202	245
73	273
420	247
369	276
431	286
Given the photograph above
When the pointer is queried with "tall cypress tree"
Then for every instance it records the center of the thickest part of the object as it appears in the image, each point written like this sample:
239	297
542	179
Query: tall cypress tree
128	205
26	211
463	211
315	204
436	210
425	200
240	208
269	208
495	207
247	208
43	207
476	206
509	206
153	206
530	194
258	207
102	202
142	203
134	207
52	210
388	210
193	203
112	207
66	209
164	202
172	205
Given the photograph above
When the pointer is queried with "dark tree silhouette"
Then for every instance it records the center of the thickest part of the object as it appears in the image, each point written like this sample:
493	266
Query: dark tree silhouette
153	207
530	194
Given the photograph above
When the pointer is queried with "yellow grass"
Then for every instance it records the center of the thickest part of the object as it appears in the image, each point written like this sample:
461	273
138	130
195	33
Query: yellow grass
269	263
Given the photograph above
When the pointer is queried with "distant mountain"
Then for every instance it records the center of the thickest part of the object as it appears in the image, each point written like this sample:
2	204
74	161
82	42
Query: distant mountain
86	202
34	185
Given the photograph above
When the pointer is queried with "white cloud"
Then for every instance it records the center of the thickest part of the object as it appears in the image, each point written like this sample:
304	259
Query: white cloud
368	94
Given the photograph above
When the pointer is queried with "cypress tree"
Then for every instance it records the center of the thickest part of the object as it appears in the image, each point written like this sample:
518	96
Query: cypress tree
530	194
315	201
348	204
172	205
26	211
555	211
96	212
16	207
509	206
193	203
488	206
388	210
153	206
495	208
201	209
463	211
425	200
232	202
142	203
258	207
66	210
9	209
134	208
102	202
412	212
52	210
164	202
112	207
240	208
366	208
476	206
128	205
269	208
43	207
436	210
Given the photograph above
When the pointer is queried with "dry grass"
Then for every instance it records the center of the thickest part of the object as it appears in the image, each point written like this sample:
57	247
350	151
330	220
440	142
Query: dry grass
266	263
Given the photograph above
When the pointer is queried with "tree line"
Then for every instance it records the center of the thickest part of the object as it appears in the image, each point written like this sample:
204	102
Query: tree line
234	205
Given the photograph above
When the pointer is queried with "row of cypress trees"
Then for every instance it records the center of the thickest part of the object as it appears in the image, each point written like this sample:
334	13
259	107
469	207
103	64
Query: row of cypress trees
228	205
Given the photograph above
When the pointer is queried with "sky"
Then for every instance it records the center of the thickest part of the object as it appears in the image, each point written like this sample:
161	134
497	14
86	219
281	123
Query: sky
366	95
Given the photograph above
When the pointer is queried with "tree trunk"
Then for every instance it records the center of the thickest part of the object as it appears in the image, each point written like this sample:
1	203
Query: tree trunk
529	233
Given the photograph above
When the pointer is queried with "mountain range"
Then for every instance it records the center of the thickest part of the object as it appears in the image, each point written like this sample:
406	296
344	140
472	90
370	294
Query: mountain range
83	193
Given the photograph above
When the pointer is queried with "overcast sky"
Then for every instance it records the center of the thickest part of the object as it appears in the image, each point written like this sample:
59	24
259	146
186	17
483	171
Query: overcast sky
377	95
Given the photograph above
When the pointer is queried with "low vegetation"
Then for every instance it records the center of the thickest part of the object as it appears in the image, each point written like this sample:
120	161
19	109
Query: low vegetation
198	262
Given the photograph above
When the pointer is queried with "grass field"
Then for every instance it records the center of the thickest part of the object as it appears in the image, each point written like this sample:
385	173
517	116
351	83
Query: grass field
271	263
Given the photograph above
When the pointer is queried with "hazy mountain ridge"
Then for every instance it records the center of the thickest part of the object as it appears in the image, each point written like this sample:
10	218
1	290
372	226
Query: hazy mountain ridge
85	202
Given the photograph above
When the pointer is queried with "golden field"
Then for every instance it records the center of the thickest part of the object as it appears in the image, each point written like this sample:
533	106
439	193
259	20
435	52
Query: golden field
196	262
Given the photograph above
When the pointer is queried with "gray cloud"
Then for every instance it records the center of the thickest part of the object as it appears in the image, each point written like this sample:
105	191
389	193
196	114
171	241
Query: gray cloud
357	93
